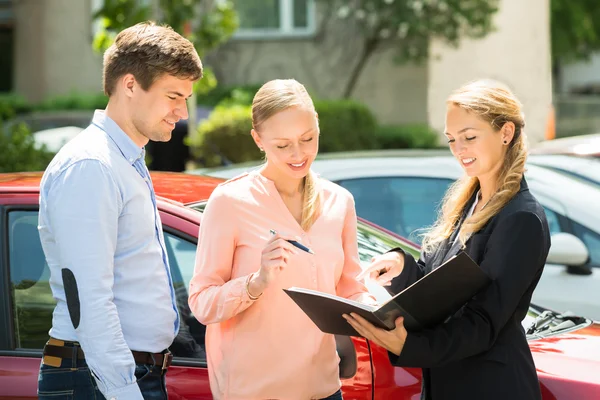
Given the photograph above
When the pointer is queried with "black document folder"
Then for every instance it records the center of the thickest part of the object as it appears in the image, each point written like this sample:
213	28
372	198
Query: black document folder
424	304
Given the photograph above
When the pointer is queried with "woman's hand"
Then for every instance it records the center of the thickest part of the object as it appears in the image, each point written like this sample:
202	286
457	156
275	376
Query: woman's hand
274	259
393	340
384	267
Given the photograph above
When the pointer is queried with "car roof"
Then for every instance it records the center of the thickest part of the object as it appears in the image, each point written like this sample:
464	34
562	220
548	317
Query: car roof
577	145
579	201
586	168
230	171
171	186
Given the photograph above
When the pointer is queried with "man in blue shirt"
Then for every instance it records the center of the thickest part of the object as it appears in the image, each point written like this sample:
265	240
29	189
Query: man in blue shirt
116	313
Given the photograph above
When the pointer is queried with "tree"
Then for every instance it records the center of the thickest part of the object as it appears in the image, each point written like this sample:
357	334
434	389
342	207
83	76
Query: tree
575	33
409	25
575	29
206	23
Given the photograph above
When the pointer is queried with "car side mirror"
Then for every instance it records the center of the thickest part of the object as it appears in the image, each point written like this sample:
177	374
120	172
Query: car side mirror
567	249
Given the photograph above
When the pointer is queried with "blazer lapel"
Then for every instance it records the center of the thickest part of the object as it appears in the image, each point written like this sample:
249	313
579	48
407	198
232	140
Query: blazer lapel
452	245
448	247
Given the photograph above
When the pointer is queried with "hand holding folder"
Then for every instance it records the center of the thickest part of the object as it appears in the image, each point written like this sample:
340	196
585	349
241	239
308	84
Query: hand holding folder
424	304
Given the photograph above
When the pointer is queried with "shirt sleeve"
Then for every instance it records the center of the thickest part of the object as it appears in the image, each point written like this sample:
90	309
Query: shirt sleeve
84	204
348	286
214	296
514	259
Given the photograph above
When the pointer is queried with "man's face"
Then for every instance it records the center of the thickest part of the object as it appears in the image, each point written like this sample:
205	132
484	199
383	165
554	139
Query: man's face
156	110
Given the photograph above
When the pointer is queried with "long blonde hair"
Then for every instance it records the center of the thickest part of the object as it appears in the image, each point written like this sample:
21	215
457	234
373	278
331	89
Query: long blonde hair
496	104
276	96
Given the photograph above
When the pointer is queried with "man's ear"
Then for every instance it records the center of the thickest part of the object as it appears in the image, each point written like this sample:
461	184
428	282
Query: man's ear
128	84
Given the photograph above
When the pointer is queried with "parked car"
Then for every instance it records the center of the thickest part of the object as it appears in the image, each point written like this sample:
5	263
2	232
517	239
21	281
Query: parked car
55	138
584	145
566	348
586	169
401	191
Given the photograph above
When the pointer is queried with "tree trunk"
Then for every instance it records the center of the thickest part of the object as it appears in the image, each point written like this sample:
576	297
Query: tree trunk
368	49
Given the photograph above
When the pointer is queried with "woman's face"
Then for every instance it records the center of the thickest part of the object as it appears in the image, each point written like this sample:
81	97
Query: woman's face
290	140
478	147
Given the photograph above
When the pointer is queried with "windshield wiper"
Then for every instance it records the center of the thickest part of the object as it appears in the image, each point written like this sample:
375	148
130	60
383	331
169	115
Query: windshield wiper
542	323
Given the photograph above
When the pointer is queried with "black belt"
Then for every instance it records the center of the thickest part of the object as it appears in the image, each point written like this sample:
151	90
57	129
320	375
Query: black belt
162	360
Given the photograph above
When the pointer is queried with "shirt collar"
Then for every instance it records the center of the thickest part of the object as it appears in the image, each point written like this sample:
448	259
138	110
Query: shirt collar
131	151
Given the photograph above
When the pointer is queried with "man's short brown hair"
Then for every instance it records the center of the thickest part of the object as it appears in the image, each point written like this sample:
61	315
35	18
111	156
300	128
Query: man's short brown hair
147	51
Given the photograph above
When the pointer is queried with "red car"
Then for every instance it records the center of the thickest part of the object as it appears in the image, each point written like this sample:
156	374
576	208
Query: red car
566	348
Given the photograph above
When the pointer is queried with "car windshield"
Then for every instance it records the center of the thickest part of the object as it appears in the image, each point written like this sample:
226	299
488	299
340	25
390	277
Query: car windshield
373	241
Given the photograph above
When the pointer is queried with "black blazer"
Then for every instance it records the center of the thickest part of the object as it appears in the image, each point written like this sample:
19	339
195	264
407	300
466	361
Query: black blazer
481	351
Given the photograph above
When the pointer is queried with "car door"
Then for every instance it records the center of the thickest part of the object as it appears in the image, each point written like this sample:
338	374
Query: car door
560	290
27	303
27	314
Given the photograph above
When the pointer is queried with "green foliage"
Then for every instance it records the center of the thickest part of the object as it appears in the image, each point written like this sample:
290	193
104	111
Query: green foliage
345	125
408	136
207	84
225	135
74	101
19	151
11	105
116	15
229	95
575	30
205	23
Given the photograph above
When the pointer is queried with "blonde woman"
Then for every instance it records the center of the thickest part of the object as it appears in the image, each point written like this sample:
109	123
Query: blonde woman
480	352
261	345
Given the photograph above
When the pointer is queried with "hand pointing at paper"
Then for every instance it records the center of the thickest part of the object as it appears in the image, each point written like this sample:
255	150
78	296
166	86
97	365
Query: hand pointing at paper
384	268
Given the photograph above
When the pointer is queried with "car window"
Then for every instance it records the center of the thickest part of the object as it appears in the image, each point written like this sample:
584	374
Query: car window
189	342
33	303
401	204
591	240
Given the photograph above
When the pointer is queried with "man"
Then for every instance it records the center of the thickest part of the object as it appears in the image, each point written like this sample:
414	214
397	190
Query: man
116	313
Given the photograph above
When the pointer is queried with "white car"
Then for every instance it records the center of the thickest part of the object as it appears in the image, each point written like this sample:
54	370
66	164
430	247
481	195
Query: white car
401	191
587	169
55	138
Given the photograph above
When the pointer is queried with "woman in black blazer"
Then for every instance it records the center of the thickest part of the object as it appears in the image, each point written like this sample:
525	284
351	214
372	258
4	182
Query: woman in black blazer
481	352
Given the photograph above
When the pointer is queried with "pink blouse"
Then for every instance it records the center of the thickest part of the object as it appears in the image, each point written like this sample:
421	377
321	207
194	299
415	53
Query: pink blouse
268	348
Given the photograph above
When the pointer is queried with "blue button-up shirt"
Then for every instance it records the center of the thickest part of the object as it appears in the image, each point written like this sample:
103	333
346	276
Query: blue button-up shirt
98	218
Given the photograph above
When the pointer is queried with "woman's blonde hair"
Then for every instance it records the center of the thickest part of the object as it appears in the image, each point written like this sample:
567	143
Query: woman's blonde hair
276	96
496	104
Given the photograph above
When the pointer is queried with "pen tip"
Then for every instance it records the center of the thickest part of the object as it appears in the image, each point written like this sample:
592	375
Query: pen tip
311	252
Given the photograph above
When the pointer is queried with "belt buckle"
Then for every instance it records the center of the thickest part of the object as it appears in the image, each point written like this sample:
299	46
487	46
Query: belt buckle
165	361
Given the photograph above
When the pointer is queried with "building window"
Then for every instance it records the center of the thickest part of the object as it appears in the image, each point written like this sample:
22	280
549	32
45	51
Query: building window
275	18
